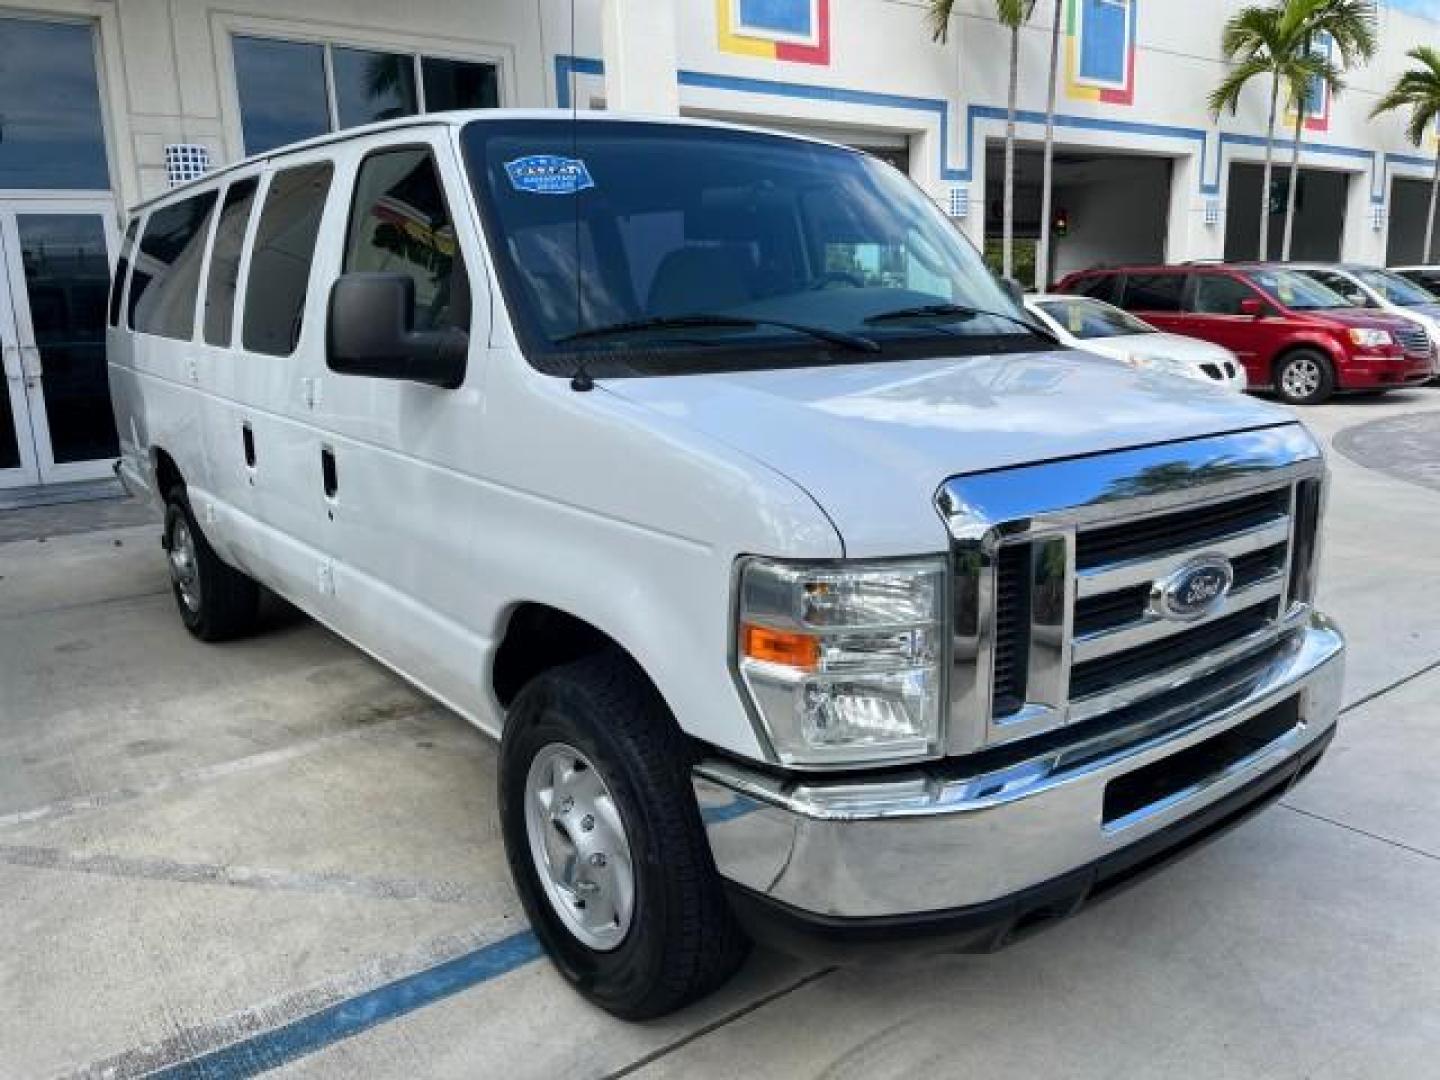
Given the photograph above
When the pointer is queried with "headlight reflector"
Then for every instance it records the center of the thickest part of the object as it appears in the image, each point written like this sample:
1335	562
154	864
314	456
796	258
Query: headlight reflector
844	663
1371	339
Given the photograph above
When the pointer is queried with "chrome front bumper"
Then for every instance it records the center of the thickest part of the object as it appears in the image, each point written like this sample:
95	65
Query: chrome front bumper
955	839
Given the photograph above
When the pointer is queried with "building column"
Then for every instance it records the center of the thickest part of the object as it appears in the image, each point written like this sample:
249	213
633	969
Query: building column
1361	241
1189	235
640	57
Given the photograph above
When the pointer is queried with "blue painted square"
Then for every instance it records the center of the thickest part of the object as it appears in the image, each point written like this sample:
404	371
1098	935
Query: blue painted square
789	17
1104	41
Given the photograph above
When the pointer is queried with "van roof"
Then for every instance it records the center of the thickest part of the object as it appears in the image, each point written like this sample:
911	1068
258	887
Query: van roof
459	118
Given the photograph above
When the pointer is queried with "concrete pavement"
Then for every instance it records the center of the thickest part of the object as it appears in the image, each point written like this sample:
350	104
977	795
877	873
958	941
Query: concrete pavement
219	859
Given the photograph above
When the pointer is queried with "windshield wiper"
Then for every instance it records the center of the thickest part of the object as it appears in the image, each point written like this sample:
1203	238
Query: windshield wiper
852	342
957	313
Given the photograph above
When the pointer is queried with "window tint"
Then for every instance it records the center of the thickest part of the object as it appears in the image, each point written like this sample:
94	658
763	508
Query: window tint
167	279
1154	292
224	277
280	260
1217	294
1101	287
455	84
1341	285
122	267
282	92
371	86
399	223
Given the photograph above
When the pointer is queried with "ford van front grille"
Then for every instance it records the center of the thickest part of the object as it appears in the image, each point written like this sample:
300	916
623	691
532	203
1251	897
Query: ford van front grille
1096	588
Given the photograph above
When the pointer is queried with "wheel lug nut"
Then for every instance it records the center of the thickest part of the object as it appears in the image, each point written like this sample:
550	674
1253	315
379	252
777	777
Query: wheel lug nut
567	804
586	888
587	823
598	859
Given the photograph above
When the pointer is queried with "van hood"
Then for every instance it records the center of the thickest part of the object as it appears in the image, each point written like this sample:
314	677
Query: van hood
872	442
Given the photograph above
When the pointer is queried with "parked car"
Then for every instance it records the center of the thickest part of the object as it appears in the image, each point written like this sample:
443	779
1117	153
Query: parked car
1379	290
1293	334
1098	327
811	591
1427	277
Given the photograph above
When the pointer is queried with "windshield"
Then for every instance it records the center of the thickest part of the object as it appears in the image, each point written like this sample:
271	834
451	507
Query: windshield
1088	319
1296	291
1395	288
644	248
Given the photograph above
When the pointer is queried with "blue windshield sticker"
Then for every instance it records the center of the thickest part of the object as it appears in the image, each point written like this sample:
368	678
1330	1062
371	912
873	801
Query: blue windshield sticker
546	174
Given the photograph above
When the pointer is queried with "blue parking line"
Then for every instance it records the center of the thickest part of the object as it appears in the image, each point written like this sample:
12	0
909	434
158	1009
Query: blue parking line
270	1049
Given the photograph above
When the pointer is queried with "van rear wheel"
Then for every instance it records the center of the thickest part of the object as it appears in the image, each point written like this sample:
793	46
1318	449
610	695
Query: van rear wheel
605	842
1305	377
216	601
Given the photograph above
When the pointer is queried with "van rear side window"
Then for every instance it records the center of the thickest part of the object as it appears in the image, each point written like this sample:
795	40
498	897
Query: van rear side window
167	268
224	277
280	259
122	268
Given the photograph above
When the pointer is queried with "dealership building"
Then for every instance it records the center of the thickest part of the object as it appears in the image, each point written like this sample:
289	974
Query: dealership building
106	102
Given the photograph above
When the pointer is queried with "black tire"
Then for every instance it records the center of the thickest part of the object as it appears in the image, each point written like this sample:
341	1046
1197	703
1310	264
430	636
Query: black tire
1311	377
682	941
220	603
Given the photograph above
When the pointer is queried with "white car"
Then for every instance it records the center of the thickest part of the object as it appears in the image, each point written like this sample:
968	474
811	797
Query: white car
1098	327
1381	290
810	590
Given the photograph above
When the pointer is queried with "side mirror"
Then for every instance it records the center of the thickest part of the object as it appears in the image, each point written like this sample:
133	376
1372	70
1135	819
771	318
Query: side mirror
372	332
1252	307
1014	290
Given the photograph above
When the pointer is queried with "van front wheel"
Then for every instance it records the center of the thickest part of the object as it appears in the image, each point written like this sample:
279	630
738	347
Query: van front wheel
1305	377
216	601
605	842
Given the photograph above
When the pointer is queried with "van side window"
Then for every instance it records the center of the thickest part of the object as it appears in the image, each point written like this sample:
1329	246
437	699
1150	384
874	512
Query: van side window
122	268
280	260
167	278
1154	292
399	223
1100	287
224	277
1220	294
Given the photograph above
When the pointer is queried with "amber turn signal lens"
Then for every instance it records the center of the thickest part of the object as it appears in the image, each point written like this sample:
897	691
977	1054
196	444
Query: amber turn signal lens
780	647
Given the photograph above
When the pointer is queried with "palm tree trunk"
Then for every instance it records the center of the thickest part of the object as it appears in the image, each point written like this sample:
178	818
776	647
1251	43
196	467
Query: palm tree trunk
1430	218
1269	173
1291	195
1007	240
1042	256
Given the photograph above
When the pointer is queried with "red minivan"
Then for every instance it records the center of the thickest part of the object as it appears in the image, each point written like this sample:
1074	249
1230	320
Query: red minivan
1293	334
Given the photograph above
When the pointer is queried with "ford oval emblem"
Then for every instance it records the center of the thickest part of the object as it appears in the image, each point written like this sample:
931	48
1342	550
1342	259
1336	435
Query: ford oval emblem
1194	590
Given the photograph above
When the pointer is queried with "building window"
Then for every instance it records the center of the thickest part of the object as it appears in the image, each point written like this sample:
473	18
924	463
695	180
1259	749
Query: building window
50	131
292	90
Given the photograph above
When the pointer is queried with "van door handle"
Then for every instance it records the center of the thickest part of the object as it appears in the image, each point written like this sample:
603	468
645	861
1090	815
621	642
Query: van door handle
247	436
327	471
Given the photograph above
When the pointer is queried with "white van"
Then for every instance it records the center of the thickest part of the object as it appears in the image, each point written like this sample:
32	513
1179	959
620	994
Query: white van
812	591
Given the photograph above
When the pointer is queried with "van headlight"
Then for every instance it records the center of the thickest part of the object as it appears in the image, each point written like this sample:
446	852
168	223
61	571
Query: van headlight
844	662
1371	339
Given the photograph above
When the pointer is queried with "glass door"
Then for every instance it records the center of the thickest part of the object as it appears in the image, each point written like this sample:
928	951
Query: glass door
17	443
56	261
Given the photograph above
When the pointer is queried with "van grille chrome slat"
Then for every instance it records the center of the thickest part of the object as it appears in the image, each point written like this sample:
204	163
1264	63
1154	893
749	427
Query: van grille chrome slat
1107	578
1069	615
1153	628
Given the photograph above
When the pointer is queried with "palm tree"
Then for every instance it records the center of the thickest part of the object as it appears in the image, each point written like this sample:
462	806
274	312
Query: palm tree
1042	256
1279	40
1013	14
1419	91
